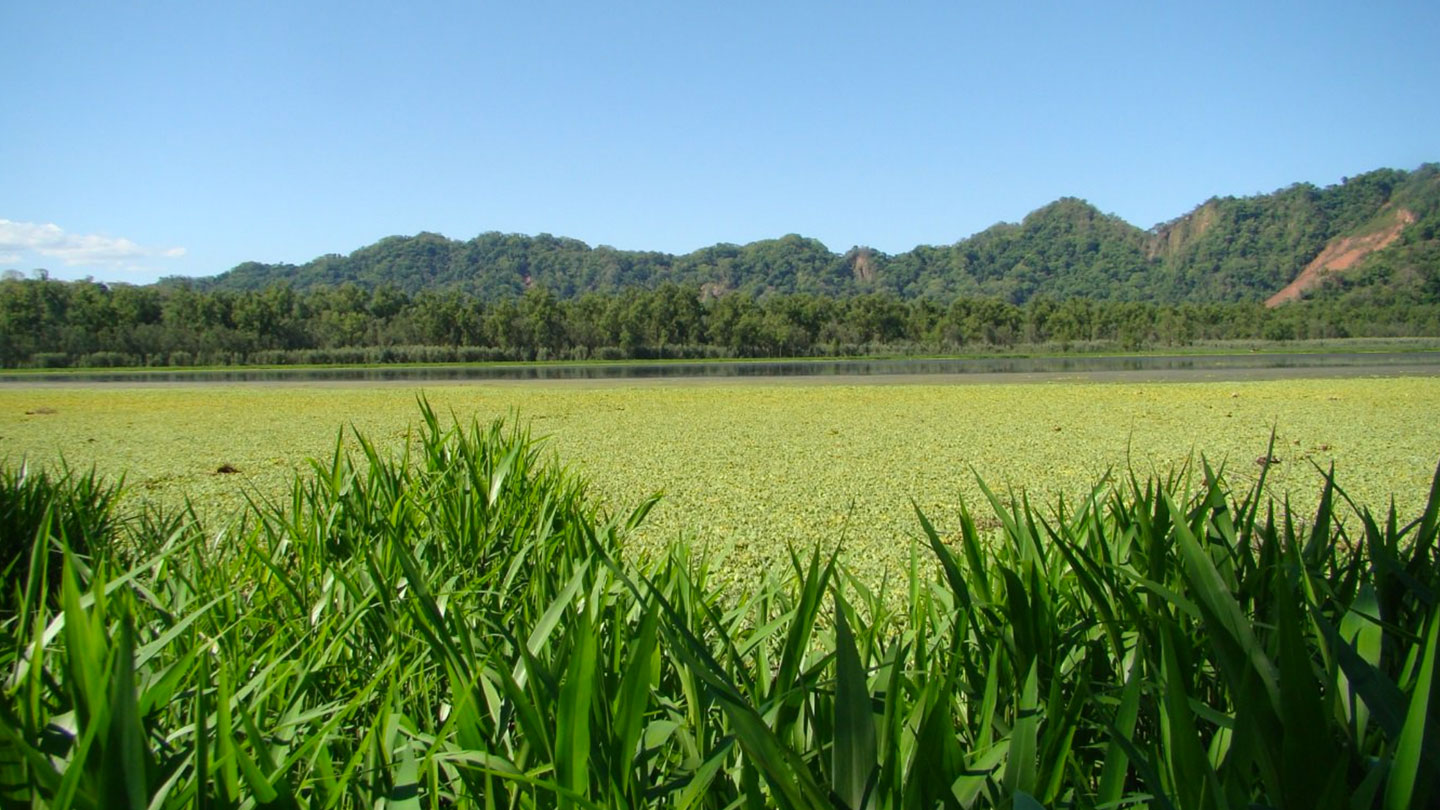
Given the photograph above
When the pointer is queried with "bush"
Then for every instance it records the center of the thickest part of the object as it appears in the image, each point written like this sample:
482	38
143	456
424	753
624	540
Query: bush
49	360
107	360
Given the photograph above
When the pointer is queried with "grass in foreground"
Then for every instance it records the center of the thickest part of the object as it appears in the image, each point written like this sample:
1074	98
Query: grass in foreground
458	628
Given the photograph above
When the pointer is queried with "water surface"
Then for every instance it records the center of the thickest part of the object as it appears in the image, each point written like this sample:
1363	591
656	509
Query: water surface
1258	365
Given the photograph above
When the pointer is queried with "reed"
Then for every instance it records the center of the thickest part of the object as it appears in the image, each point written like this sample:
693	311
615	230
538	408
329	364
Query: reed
458	626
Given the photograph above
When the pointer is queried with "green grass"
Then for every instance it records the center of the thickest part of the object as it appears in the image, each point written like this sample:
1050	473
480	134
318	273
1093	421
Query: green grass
458	627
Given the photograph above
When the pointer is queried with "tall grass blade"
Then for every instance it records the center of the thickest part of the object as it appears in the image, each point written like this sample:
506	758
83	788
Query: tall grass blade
1403	788
125	760
853	767
572	732
1020	764
1113	774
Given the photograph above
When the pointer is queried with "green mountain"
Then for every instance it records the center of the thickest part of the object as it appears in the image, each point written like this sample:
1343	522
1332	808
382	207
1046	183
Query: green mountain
1374	237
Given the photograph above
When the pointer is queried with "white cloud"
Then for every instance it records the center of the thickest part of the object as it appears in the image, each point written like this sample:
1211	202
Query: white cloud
75	249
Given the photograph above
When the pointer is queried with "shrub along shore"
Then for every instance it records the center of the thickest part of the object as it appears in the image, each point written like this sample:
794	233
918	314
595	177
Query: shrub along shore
47	324
458	627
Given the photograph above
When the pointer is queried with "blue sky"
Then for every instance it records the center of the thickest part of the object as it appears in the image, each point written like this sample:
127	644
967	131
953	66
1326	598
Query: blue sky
149	139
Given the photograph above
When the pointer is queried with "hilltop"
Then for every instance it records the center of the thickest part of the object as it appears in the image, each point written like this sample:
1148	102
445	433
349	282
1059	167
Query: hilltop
1373	235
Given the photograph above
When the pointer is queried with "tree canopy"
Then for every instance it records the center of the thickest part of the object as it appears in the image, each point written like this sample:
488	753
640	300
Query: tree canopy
1241	249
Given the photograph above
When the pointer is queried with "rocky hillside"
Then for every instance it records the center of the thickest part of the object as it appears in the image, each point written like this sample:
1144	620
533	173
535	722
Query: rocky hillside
1344	253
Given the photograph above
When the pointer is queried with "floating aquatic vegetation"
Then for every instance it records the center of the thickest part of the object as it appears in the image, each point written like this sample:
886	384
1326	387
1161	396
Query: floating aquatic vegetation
748	468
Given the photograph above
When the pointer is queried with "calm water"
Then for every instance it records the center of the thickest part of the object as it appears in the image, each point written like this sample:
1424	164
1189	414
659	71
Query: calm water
1237	366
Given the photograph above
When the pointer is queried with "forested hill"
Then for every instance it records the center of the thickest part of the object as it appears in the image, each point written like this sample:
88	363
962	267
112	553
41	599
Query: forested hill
1375	236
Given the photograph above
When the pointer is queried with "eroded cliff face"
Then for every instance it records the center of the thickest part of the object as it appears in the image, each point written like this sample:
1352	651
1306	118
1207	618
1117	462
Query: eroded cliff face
1342	253
1168	239
862	264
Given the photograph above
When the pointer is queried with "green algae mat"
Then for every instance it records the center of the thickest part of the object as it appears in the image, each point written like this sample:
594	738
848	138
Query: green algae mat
747	468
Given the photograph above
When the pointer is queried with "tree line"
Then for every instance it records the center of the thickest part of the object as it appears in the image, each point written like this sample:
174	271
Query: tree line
50	323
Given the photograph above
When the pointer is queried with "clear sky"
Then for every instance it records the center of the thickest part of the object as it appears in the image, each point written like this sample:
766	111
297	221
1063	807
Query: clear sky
147	139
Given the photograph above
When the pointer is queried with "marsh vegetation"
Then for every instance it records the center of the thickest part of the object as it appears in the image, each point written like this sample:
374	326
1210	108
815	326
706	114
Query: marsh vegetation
748	468
460	625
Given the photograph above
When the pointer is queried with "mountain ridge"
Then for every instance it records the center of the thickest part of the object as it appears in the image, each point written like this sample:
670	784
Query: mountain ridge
1224	249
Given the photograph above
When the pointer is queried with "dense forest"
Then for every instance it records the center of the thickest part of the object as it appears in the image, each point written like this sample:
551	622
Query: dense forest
1227	249
48	323
1066	276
